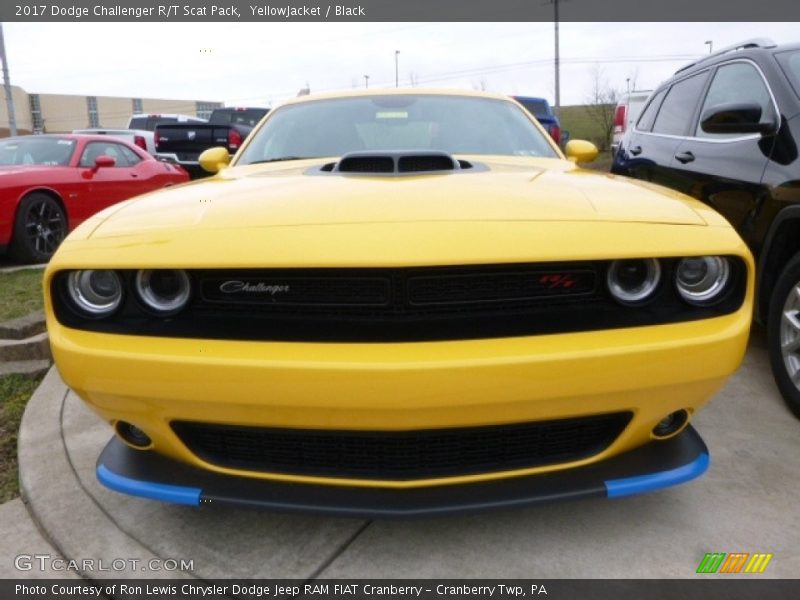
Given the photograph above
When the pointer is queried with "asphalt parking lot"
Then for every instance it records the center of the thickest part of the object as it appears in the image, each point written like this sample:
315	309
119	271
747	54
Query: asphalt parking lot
746	502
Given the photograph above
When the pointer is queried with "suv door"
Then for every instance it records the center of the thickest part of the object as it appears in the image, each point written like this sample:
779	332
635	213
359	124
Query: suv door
661	129
725	170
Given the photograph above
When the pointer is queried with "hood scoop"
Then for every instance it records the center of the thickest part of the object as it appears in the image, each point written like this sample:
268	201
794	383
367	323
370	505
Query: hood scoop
396	163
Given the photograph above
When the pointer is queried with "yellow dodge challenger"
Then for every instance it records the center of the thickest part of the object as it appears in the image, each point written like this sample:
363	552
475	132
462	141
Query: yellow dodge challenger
400	303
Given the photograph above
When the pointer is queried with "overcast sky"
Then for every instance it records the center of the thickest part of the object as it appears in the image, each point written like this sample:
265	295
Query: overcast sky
264	63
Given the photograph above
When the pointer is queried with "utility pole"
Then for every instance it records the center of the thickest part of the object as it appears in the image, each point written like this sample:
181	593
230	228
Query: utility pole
396	70
12	118
557	107
710	44
366	81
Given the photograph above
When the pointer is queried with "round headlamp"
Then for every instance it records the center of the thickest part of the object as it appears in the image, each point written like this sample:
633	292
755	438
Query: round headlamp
633	281
96	293
703	279
163	291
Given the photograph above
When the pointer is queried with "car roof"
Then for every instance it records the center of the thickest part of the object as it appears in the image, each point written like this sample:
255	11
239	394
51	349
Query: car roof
746	48
88	137
396	92
70	136
534	98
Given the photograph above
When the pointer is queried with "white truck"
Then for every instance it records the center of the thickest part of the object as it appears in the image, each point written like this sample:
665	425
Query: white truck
626	114
141	127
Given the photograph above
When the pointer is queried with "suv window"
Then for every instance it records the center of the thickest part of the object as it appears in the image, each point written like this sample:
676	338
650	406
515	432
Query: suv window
736	83
790	63
678	107
538	108
645	122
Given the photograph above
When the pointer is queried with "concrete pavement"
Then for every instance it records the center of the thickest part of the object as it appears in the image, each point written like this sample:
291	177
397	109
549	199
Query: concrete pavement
747	502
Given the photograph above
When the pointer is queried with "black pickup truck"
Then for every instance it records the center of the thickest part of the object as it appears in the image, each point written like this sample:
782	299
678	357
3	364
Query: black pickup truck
227	127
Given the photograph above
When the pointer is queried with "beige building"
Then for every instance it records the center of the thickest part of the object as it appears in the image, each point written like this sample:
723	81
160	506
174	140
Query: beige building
61	113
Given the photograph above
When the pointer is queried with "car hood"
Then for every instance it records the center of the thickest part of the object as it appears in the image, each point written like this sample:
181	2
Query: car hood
298	194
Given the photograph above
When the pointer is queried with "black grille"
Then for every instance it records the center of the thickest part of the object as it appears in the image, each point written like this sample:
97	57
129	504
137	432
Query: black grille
402	455
396	289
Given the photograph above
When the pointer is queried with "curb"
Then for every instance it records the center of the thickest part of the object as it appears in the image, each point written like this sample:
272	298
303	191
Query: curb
22	268
56	500
36	347
25	368
23	327
24	346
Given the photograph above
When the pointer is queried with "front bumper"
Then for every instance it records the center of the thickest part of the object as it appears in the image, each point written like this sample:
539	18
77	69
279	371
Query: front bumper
648	468
152	383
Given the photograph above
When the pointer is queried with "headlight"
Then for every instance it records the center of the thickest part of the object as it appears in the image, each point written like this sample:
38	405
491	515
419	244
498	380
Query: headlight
95	293
633	281
702	280
164	291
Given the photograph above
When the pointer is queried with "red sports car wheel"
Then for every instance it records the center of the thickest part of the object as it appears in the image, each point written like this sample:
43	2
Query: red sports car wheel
39	228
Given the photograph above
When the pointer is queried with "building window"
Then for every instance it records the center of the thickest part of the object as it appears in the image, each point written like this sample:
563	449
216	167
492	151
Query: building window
36	114
203	109
137	106
91	105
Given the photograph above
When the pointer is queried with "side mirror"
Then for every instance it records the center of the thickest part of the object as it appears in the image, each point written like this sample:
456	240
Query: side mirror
215	159
103	161
580	151
743	117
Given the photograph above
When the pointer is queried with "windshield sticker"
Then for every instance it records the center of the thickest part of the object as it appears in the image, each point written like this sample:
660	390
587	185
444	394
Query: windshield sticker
392	114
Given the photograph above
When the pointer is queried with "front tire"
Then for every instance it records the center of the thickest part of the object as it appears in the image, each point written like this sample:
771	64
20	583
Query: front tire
39	228
783	334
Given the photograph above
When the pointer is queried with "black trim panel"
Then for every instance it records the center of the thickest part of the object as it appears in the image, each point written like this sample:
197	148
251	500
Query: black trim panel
411	304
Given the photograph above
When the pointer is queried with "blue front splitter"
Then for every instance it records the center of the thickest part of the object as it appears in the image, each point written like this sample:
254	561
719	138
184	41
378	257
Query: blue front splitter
652	467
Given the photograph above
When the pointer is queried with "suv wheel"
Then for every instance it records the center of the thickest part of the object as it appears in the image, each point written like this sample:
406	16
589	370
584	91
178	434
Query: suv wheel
783	333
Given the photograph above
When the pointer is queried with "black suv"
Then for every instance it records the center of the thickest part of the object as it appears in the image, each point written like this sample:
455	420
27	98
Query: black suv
725	130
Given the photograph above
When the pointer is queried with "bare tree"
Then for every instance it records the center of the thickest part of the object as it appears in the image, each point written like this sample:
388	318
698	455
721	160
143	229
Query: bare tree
600	106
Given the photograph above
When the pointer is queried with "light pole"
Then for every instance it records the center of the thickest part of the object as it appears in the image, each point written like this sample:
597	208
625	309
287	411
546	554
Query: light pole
557	65
12	118
396	70
366	81
710	44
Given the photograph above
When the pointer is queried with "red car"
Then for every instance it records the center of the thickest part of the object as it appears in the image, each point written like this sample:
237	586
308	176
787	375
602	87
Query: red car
49	184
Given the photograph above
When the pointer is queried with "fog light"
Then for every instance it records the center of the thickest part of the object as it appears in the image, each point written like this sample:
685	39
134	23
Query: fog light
133	436
671	424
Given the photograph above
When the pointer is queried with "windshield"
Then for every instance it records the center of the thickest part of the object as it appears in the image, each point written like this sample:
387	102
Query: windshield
36	150
452	124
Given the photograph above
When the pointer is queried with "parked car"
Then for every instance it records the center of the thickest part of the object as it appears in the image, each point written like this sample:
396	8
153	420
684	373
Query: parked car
626	114
725	130
141	127
541	109
50	184
397	303
227	127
